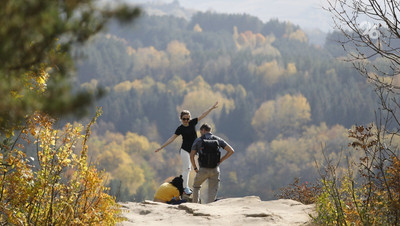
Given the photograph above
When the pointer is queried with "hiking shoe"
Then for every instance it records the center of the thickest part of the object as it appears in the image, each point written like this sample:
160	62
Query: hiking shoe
187	191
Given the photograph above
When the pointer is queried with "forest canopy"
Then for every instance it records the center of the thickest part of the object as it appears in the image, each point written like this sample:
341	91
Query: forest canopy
280	97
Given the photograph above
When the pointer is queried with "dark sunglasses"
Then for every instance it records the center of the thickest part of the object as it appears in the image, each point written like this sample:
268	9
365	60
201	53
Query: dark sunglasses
185	119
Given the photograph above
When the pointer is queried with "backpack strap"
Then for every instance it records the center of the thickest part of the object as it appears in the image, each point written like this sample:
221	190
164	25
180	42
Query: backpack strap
212	137
203	137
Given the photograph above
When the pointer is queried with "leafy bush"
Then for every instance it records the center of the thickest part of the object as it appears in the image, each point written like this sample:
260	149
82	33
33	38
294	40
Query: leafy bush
305	192
59	187
368	191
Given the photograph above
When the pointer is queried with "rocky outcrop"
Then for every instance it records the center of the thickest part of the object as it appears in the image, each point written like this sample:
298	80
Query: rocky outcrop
248	210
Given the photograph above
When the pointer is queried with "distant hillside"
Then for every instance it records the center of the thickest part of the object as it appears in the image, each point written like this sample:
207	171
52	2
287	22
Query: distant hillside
161	9
316	36
280	99
174	8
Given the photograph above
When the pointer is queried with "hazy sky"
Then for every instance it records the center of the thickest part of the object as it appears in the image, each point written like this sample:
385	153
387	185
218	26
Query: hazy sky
306	13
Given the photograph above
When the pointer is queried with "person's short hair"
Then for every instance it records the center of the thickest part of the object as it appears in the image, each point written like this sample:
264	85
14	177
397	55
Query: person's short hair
206	127
184	112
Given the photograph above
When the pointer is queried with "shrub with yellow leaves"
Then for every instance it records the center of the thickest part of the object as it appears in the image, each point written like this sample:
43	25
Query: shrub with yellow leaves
59	187
368	192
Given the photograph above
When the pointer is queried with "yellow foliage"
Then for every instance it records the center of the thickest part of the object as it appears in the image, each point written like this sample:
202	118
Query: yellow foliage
287	152
393	81
197	28
198	84
202	97
35	81
254	149
259	44
149	58
111	156
282	115
308	145
62	189
175	56
298	35
233	177
41	79
242	40
125	158
141	86
177	85
360	196
124	86
135	143
264	114
260	39
116	38
178	49
296	109
130	175
291	69
227	89
267	50
179	55
131	51
92	85
270	72
249	39
236	37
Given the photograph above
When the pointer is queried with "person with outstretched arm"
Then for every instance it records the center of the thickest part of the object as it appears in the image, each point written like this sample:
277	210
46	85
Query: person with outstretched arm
188	131
207	147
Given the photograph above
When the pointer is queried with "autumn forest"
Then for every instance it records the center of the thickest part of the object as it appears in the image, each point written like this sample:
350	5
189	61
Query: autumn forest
283	100
90	91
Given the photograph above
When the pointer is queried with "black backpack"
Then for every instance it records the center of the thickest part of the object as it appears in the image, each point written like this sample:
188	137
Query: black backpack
209	154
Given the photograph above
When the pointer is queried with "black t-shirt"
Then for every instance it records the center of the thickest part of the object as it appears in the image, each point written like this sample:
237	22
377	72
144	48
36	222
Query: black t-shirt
188	134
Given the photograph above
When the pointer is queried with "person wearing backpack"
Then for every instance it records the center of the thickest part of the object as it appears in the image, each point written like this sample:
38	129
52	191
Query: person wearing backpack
188	131
207	147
